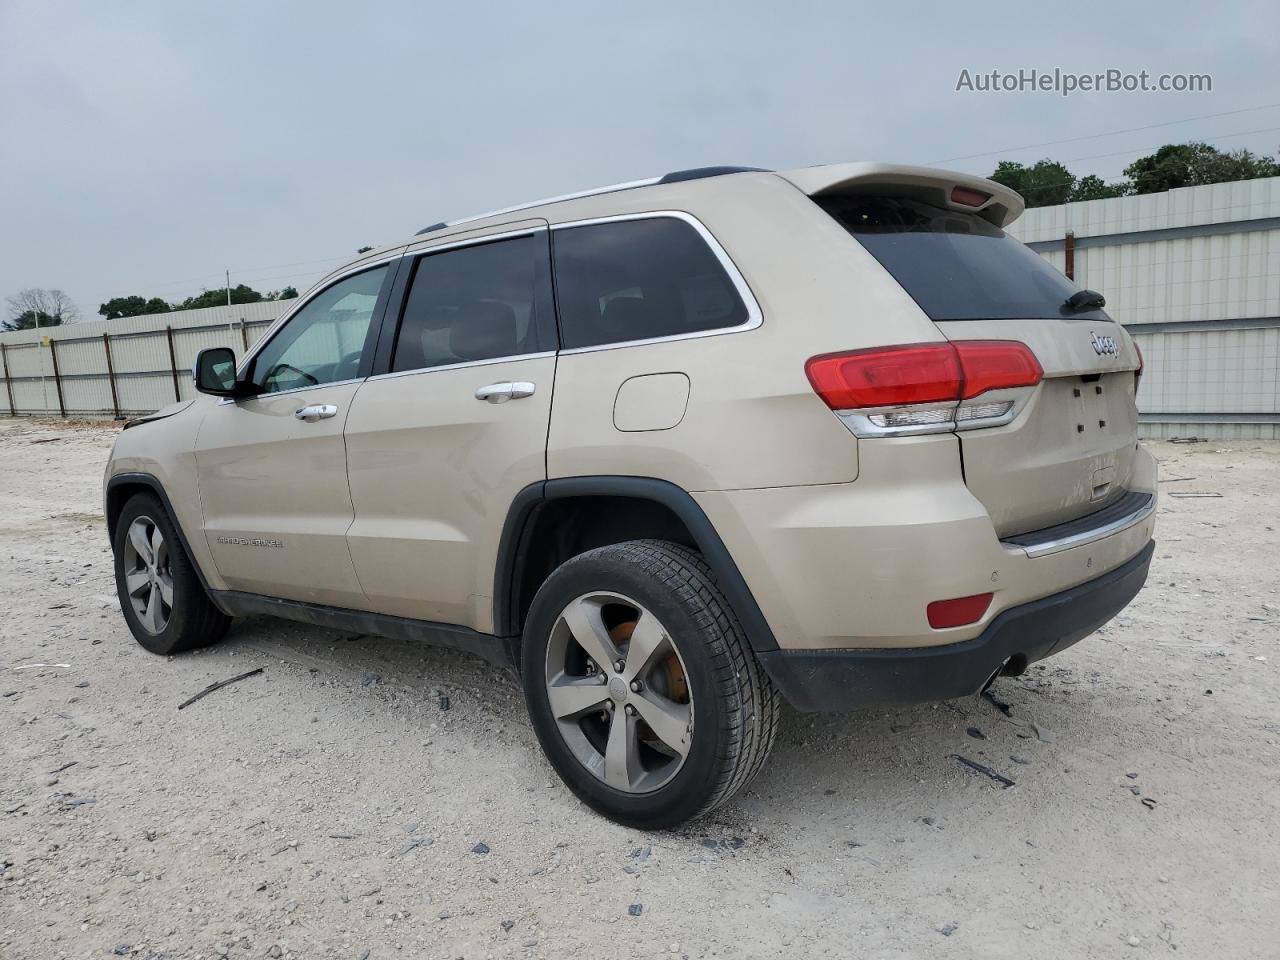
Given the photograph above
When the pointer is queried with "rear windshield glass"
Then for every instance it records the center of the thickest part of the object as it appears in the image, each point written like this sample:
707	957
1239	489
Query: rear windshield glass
956	266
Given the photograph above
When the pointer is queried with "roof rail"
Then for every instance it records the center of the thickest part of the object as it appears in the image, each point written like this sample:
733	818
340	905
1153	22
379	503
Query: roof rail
676	176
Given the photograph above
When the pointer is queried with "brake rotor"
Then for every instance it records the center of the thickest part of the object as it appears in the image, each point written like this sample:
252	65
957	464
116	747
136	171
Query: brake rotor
677	682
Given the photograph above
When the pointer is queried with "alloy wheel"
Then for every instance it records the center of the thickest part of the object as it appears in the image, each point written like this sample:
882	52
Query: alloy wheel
619	692
148	575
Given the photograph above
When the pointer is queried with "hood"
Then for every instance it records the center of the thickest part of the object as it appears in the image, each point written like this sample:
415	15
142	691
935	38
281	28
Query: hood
160	414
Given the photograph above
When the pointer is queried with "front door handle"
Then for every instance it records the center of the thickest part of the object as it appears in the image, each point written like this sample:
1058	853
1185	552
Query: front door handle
502	392
316	411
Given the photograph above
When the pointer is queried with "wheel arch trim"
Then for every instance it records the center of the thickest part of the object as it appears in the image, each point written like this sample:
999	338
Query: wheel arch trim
514	544
153	484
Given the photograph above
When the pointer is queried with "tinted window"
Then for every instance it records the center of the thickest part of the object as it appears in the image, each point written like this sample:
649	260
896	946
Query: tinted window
472	303
636	279
956	266
325	340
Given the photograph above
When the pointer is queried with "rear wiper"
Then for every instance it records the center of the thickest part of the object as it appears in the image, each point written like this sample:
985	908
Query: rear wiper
1086	300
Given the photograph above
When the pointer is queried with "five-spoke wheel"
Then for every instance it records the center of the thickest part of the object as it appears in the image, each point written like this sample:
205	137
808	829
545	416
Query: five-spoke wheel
619	691
148	576
164	602
641	685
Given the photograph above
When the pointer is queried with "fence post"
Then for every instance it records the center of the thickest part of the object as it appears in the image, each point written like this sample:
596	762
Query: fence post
173	364
1069	245
4	356
57	377
111	376
244	335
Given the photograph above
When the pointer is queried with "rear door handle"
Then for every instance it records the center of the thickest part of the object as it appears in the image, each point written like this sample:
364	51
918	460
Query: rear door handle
502	392
316	411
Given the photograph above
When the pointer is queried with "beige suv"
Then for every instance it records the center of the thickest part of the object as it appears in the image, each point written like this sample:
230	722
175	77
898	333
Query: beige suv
677	450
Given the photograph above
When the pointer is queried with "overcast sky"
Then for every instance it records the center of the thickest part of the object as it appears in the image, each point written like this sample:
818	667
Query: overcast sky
145	146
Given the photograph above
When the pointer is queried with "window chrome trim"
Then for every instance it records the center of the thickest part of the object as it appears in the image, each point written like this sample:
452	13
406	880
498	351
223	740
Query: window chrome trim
424	251
285	393
511	358
755	316
271	331
1119	525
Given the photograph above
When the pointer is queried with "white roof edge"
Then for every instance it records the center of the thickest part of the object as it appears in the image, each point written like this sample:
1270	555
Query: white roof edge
814	180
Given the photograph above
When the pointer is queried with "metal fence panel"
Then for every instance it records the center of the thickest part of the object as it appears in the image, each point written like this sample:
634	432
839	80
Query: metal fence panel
151	359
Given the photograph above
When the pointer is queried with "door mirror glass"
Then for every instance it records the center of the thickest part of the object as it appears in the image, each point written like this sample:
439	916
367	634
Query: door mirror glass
215	371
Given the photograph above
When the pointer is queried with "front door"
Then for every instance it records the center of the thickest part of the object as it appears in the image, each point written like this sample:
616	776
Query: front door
273	468
440	444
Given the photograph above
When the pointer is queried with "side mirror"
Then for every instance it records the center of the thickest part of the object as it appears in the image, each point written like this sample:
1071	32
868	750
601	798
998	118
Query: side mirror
215	373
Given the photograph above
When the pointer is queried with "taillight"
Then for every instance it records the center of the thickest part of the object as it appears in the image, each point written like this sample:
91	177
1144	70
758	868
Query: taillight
887	377
923	387
1137	374
957	612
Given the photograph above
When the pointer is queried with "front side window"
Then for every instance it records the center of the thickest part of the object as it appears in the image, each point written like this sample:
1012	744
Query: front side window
638	279
475	303
325	340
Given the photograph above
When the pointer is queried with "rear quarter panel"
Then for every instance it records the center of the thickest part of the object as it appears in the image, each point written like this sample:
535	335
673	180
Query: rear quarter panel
752	418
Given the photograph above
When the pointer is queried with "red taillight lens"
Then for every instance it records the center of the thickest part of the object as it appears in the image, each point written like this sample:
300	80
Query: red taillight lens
958	612
921	373
886	376
996	365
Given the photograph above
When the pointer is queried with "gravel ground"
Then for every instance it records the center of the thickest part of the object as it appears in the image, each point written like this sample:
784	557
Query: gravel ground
369	798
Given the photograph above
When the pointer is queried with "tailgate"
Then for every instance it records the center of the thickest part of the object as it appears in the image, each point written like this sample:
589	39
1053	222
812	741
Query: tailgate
1070	450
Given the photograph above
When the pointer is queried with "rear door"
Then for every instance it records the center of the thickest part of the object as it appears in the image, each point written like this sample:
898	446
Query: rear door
453	425
1069	451
273	467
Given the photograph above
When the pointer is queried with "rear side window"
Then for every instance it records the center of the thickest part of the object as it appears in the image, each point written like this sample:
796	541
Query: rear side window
637	279
475	303
956	266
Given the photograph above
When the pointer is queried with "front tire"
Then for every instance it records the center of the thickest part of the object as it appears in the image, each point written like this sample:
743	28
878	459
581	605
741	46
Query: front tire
163	601
642	687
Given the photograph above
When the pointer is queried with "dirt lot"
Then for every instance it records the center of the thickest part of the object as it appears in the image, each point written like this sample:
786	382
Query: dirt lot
333	805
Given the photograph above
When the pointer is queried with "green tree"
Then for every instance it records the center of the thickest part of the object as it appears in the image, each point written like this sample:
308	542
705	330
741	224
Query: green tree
1194	164
287	293
1043	184
1093	187
47	308
133	306
27	320
218	298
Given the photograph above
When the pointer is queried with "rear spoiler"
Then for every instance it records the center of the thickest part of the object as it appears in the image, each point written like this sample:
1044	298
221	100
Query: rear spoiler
992	201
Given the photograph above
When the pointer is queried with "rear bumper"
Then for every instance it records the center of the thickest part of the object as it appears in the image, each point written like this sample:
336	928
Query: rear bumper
839	680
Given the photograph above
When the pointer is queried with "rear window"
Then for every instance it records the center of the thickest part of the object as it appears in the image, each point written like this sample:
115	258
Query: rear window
638	279
956	266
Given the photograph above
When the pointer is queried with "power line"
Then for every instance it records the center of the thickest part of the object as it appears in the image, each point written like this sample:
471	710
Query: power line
1157	146
1122	175
1111	133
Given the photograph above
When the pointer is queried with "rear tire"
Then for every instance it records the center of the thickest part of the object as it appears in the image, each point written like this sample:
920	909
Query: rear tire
699	714
161	596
